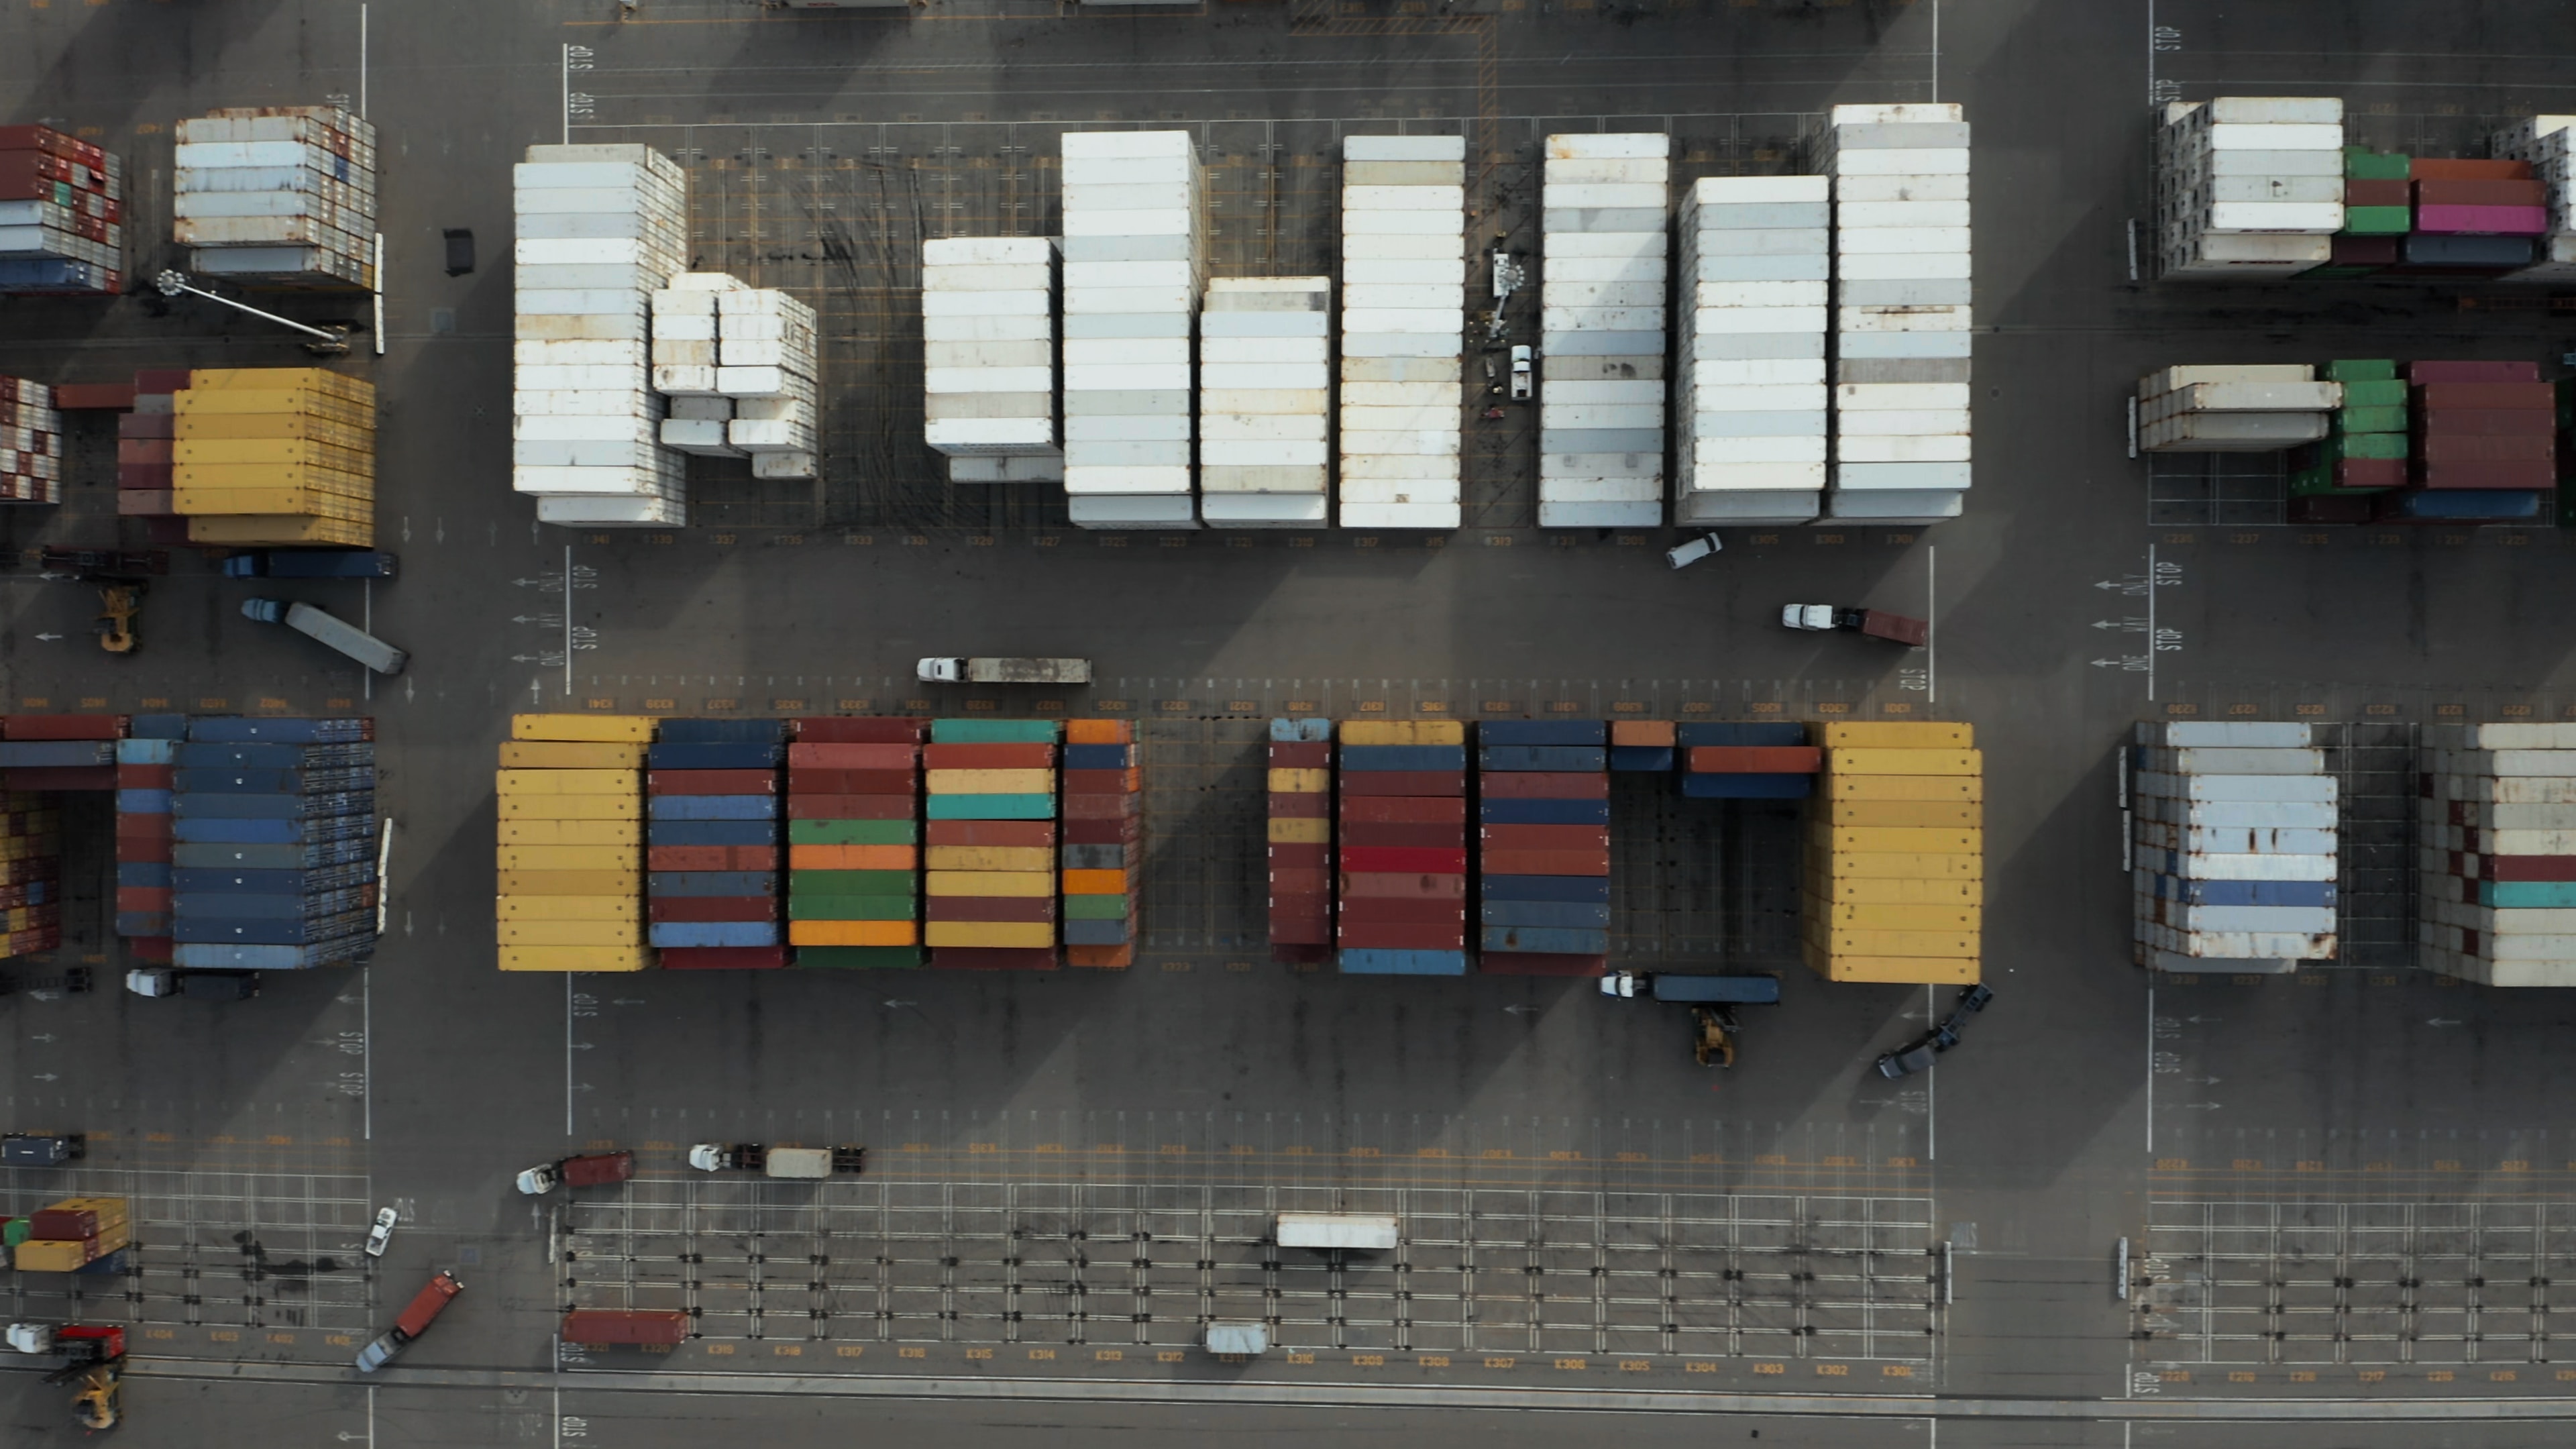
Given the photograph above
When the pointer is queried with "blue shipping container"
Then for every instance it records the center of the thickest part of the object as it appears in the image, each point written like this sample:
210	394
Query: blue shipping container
267	882
714	933
1099	757
1300	731
328	780
273	933
147	752
143	923
58	754
1748	787
246	906
155	727
1094	933
1638	758
711	832
721	732
1543	939
216	956
142	802
1587	888
185	805
1403	963
1740	732
288	856
1542	732
1543	812
2245	892
223	831
735	883
274	757
143	874
1566	915
236	729
714	757
1404	757
1563	758
714	807
2481	504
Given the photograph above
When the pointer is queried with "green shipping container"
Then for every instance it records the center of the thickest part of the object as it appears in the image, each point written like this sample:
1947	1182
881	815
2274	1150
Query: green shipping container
2364	445
811	907
16	1231
2370	420
2364	369
2372	392
990	807
1095	908
995	731
852	832
851	882
859	958
2360	163
2378	220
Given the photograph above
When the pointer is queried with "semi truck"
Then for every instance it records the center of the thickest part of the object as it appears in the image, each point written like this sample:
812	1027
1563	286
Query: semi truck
423	1310
804	1162
591	1169
328	627
1876	623
971	670
320	563
1695	990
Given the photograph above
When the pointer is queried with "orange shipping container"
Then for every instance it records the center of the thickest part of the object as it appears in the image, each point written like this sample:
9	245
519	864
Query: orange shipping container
851	857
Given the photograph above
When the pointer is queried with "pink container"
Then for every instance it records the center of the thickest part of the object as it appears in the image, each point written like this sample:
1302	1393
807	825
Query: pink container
2483	220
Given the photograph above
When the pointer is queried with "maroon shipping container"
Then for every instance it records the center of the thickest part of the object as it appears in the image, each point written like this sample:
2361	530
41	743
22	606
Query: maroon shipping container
711	857
1292	857
2436	397
854	757
1400	860
1299	880
1421	837
994	958
989	832
1103	782
1101	807
1546	862
20	170
2363	251
2482	423
597	1169
811	780
1301	807
1301	755
1755	759
1542	785
1542	837
41	138
1404	809
93	777
1540	963
724	958
988	908
64	1223
147	777
1103	832
161	380
2470	193
62	727
160	451
711	908
89	396
1315	931
140	850
850	730
1422	887
2378	193
1368	937
2535	475
711	782
1452	783
656	1327
2370	473
2446	168
1299	905
1403	911
2441	445
851	807
2513	867
142	478
987	757
131	898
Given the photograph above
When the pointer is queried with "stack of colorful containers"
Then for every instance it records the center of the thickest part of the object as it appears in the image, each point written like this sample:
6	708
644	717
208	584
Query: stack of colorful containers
2474	218
275	792
62	214
146	443
2234	856
1920	873
1642	746
2498	846
572	907
1543	847
46	753
721	772
68	1236
276	455
2364	450
31	443
853	843
60	751
990	882
31	870
2485	444
1301	841
1740	760
146	773
2378	211
1403	865
1104	851
284	196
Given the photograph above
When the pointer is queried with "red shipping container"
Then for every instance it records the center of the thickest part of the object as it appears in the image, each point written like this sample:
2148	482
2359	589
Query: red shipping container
1301	807
1408	837
724	958
44	139
1546	862
161	380
2370	473
19	170
155	949
1421	887
1539	963
1402	938
1102	807
2535	475
140	898
711	857
136	850
1543	837
2378	193
2436	397
1103	782
2440	445
1755	759
160	451
146	777
86	396
711	908
142	478
1542	785
1400	860
990	832
1316	932
806	780
854	757
1451	783
1299	906
2516	867
988	908
994	958
2446	370
987	757
859	730
1299	880
1301	755
851	807
2483	423
711	782
1402	911
1405	809
96	777
62	727
134	826
1296	857
1103	832
2469	193
2445	168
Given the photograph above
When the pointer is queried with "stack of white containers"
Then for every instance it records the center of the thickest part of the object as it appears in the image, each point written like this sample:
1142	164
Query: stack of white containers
1404	300
1602	342
988	356
1133	269
684	364
285	195
2234	855
766	361
600	230
1265	402
2543	141
2247	409
1902	282
2248	185
2497	840
1756	258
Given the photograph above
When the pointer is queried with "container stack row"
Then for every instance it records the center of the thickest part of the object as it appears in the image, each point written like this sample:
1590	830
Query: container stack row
2378	212
31	443
2364	451
1134	267
275	456
1895	855
1902	282
854	843
62	215
1103	855
717	780
2234	409
2497	838
2544	142
1404	297
1604	199
147	454
2485	444
1402	871
990	880
1265	402
1543	847
147	762
1643	746
570	907
698	418
600	230
2249	186
2234	853
1756	260
988	352
1748	760
285	800
31	870
77	1234
278	196
768	362
1300	831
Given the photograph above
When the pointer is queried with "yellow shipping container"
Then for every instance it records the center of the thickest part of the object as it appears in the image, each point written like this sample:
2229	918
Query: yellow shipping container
67	1255
1823	890
572	807
572	832
1893	735
626	884
988	883
209	427
271	379
568	782
1891	943
1905	814
1300	782
1904	787
318	477
557	755
1917	970
567	908
1896	865
1919	841
279	530
989	782
304	401
1019	935
576	958
853	933
569	857
303	503
634	729
1874	916
274	451
1905	762
571	933
1290	831
1403	732
989	857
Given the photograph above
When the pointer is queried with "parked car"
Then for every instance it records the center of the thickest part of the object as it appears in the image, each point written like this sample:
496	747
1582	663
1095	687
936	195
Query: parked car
1524	373
1917	1055
588	1170
425	1307
382	1233
1691	550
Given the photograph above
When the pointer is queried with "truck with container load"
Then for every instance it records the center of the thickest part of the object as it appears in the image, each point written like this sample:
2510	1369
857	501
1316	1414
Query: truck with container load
590	1169
322	624
1003	671
316	563
1694	990
195	985
799	1162
42	1149
1876	623
656	1327
414	1321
